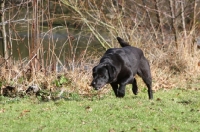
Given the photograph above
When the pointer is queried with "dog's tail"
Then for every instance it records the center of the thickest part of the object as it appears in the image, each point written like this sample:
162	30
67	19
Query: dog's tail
122	42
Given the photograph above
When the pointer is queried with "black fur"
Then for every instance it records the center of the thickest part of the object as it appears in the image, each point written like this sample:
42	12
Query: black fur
118	66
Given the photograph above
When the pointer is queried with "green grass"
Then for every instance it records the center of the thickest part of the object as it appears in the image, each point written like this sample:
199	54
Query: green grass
171	110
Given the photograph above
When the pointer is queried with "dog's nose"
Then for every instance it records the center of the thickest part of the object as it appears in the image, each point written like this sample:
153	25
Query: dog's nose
92	84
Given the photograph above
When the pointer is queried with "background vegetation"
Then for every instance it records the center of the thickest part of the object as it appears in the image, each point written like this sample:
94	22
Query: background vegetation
167	32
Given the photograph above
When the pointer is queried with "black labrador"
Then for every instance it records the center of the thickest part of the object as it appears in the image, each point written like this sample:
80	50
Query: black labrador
118	66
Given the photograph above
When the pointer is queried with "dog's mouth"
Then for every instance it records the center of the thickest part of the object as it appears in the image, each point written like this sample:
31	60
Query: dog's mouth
97	87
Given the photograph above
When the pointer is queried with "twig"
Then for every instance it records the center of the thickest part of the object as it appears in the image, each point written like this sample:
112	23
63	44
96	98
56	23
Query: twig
25	66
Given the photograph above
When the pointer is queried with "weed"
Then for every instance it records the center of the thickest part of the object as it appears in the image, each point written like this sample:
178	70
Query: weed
61	81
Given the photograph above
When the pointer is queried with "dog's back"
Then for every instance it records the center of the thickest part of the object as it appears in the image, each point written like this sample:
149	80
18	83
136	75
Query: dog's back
130	50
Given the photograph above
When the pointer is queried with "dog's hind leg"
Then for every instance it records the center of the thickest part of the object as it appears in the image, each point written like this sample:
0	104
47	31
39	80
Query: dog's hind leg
148	82
134	87
145	73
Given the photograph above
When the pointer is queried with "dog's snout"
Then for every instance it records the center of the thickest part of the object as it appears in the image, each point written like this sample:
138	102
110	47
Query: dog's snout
93	83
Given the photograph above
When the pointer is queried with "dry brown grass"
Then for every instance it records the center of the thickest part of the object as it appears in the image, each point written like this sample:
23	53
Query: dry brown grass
171	68
174	68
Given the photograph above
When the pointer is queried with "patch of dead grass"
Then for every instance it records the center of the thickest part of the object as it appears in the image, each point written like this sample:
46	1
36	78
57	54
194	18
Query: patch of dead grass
170	68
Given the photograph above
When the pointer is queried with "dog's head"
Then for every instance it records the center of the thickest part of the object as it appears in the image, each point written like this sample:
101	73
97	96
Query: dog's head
102	74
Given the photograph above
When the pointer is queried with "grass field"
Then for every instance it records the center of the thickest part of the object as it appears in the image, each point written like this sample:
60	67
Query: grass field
171	110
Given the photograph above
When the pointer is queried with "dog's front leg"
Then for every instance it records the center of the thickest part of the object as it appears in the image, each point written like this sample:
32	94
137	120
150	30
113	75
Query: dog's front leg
118	92
121	91
115	88
134	87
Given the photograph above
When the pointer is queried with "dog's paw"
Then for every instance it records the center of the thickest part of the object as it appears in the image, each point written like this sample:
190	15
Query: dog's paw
120	94
135	91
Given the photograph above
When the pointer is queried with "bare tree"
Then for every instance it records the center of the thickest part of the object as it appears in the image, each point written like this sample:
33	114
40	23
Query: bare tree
183	20
35	43
195	13
173	21
150	21
159	20
5	49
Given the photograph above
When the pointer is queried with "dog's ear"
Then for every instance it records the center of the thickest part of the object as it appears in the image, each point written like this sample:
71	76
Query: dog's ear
93	69
112	72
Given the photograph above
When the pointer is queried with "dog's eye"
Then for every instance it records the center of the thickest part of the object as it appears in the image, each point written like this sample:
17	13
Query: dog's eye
93	74
100	75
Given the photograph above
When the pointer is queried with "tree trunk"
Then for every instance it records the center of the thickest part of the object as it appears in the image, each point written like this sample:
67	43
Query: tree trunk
10	32
35	38
160	24
183	21
194	25
151	23
5	48
173	22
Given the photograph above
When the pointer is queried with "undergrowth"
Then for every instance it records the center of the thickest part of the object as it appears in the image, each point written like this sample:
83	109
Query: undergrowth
171	68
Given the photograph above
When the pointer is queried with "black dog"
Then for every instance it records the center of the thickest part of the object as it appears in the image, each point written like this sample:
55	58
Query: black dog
118	66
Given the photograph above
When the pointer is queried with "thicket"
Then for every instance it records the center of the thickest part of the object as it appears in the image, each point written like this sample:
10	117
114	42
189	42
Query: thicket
167	32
